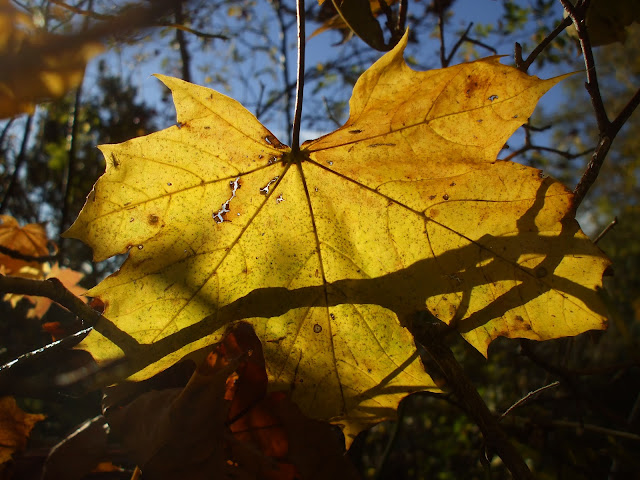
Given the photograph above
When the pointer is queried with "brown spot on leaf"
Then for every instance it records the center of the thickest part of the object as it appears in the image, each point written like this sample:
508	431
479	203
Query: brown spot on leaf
153	219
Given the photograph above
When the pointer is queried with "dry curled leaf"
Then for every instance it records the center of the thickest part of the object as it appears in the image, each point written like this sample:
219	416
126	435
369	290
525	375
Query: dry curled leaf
79	453
224	423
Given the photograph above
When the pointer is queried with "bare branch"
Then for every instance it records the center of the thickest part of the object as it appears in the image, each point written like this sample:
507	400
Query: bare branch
528	397
606	230
525	64
295	142
28	258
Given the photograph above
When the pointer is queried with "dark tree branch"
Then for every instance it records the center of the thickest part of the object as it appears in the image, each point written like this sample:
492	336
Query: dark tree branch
185	58
28	258
52	289
402	17
606	138
430	337
20	159
578	16
284	66
525	64
295	142
625	113
443	57
607	129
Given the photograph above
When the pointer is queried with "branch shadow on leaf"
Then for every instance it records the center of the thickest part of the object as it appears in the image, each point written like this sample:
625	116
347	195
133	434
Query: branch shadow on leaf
481	264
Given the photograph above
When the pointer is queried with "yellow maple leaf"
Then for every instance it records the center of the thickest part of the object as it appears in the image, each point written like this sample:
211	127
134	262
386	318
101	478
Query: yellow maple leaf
328	251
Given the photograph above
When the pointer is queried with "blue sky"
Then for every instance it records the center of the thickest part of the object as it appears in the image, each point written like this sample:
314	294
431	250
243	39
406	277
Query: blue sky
319	49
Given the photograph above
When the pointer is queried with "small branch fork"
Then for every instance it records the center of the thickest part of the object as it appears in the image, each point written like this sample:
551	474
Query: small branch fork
445	60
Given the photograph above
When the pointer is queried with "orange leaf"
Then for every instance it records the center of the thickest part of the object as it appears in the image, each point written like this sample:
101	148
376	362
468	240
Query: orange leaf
15	427
28	240
69	278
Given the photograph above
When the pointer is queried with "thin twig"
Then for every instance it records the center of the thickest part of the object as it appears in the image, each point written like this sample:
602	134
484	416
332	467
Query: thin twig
459	43
579	426
482	44
330	113
527	397
606	230
562	153
193	31
596	428
295	138
525	64
528	126
64	343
